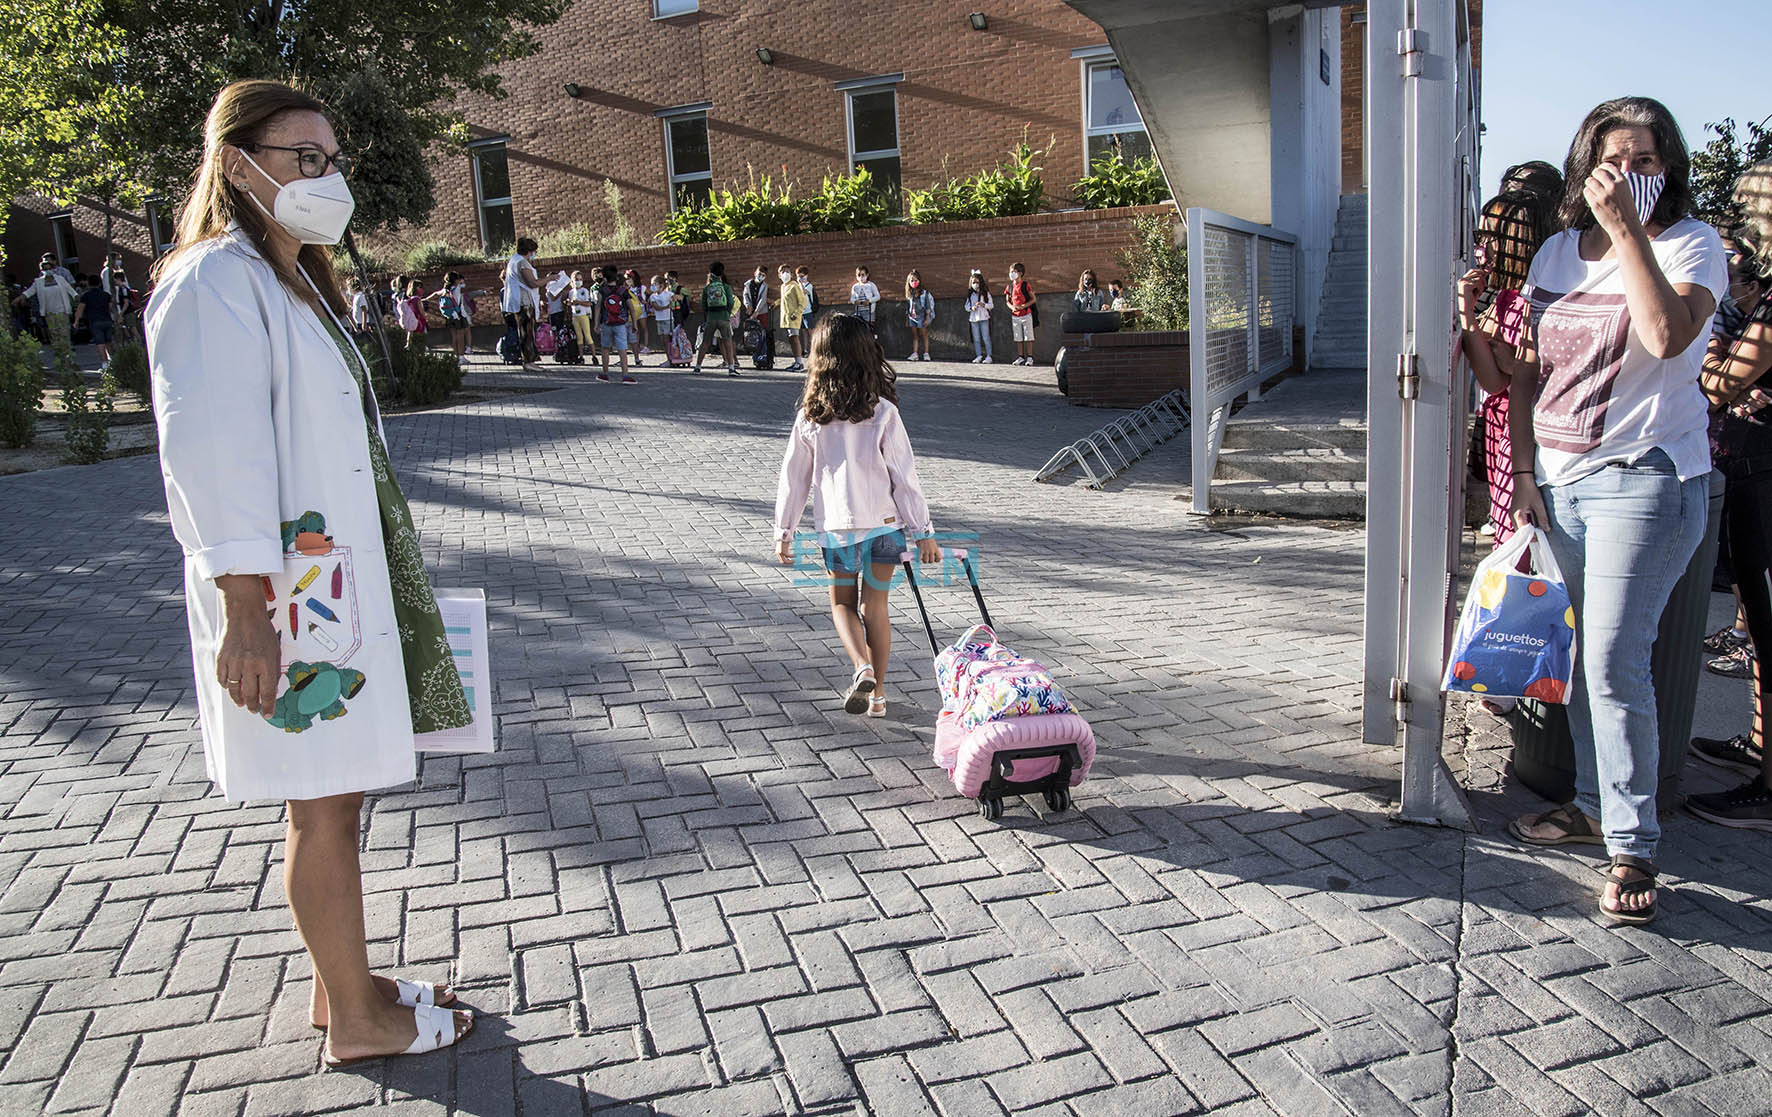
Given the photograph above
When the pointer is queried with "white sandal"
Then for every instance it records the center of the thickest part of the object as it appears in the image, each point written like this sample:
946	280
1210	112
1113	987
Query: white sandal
436	1030
856	701
877	706
415	993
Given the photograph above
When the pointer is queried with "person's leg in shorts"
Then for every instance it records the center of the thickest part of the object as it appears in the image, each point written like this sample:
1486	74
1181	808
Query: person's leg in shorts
1023	328
615	340
793	335
101	337
884	554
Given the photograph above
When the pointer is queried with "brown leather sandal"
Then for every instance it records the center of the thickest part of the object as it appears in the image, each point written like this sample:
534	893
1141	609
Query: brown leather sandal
1644	883
1572	827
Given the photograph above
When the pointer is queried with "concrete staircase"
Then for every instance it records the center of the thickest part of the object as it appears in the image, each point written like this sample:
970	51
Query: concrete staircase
1341	323
1300	451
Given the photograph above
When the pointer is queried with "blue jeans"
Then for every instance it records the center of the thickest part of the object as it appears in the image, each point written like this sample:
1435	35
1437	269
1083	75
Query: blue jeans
981	339
1623	537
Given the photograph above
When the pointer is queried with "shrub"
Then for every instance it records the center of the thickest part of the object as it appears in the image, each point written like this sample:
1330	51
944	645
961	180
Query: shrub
1156	275
846	203
573	240
88	415
435	255
429	377
1113	180
1010	189
129	369
759	210
21	389
691	225
621	234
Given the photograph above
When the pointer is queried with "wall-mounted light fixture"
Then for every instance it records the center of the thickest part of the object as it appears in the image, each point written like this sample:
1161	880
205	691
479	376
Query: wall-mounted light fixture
765	57
979	23
572	89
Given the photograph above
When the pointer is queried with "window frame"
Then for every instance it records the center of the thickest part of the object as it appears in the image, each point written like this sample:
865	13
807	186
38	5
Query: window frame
1092	60
71	251
850	91
693	9
672	178
481	201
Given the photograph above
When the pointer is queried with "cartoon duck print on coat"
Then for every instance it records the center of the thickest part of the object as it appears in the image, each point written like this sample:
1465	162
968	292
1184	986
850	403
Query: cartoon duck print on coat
315	689
306	535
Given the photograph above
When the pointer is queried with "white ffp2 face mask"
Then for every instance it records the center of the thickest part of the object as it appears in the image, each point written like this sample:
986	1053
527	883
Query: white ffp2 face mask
312	210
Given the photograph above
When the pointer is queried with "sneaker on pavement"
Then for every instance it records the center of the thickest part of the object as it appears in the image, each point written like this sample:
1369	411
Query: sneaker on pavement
603	376
1725	640
629	380
731	370
912	357
1738	664
1748	807
645	352
1737	753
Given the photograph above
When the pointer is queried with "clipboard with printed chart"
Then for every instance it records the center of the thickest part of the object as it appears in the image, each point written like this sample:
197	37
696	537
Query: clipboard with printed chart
464	623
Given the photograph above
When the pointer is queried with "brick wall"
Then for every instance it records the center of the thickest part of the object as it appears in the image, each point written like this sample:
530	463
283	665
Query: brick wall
967	97
1353	90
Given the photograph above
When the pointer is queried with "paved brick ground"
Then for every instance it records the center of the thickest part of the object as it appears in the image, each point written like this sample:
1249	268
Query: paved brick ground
687	883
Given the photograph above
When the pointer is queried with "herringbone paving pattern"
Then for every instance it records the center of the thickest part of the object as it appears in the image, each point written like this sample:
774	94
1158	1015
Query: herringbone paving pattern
688	883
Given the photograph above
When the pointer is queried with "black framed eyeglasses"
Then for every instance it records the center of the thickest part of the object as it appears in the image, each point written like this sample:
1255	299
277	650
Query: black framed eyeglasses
310	160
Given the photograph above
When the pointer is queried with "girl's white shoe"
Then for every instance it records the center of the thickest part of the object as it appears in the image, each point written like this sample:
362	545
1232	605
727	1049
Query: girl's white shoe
877	706
856	701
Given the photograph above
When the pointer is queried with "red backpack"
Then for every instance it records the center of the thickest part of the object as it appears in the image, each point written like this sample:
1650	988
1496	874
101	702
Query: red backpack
615	305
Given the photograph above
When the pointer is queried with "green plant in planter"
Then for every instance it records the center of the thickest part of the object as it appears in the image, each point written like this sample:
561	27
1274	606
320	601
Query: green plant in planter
88	415
691	225
21	389
1113	180
759	210
1156	275
846	203
1011	189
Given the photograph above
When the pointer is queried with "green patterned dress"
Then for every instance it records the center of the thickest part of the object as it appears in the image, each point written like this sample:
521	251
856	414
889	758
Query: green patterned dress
432	684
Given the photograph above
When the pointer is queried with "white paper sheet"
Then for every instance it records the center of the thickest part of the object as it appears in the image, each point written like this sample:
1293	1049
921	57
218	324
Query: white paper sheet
464	622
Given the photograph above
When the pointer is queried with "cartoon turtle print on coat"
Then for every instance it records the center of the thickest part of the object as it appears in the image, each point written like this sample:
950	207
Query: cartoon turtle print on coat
314	689
306	534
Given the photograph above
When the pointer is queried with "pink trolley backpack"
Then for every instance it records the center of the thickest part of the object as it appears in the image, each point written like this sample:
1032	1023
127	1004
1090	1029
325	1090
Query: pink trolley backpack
1005	728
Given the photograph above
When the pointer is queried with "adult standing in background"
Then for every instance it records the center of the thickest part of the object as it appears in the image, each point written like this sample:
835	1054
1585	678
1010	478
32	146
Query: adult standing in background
1606	407
283	499
517	302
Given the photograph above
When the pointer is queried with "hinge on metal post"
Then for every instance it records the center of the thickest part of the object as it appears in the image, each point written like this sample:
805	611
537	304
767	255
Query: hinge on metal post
1408	376
1410	45
1400	696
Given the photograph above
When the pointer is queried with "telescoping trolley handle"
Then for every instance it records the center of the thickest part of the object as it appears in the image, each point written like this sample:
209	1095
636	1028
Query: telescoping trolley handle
910	574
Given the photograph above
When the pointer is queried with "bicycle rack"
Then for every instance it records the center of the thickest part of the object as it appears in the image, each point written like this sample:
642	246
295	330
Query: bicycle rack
1126	439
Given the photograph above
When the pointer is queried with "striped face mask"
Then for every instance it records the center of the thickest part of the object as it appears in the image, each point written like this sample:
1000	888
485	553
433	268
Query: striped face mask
1645	191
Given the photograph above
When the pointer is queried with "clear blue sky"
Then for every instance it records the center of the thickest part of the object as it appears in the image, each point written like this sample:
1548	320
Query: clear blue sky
1547	62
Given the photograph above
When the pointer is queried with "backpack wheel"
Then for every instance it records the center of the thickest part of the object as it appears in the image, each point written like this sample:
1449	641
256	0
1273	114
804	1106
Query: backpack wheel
1058	798
990	809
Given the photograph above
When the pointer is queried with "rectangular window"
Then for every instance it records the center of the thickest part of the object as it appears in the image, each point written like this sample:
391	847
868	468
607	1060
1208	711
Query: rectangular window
662	9
1110	119
160	228
687	160
61	232
492	188
873	137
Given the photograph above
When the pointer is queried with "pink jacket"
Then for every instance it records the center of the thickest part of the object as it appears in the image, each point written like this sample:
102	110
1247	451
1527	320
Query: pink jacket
864	472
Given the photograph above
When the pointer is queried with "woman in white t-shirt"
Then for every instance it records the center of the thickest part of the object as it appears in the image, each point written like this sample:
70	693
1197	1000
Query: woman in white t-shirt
1605	400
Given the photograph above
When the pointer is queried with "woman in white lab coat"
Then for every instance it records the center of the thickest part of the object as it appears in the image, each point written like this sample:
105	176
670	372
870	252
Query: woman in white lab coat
318	648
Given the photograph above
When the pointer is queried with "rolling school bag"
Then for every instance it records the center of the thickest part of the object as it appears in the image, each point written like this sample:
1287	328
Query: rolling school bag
566	348
510	347
1004	729
761	345
677	350
544	337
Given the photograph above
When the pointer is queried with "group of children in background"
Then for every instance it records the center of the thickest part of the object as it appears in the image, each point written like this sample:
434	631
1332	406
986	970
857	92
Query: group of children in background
615	313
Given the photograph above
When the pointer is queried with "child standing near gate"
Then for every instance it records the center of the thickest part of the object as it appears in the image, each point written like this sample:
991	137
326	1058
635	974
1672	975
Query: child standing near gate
849	450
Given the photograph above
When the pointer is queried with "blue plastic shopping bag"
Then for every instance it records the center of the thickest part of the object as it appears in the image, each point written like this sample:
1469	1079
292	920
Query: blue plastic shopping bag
1516	636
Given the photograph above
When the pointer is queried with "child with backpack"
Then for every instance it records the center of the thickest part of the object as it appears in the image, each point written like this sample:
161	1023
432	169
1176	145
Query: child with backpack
638	312
659	304
803	276
920	312
614	314
864	296
452	303
848	444
410	312
1022	320
717	302
978	313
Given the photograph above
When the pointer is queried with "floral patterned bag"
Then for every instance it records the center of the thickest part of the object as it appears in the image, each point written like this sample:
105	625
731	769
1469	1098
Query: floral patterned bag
983	681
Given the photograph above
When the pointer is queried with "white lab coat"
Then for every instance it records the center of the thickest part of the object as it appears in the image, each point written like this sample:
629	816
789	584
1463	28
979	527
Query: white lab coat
260	423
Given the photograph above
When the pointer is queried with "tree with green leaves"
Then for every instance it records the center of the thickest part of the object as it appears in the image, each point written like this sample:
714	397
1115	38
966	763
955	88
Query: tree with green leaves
1717	165
391	71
